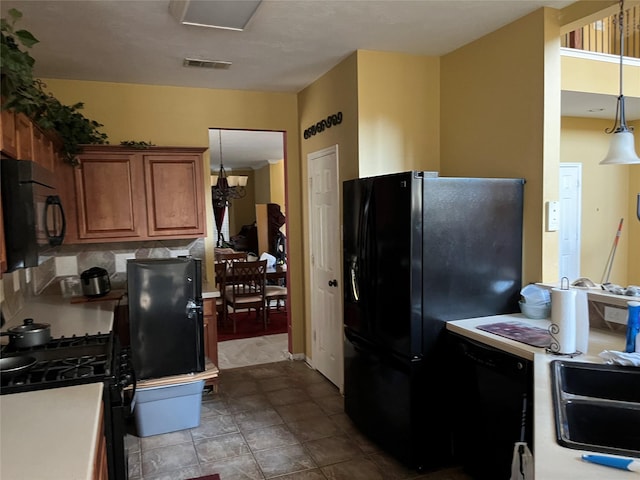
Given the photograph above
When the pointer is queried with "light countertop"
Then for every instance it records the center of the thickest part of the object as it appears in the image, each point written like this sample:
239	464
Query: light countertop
50	434
66	319
552	461
209	290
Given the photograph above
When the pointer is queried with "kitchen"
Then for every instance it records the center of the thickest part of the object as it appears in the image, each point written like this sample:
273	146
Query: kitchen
279	112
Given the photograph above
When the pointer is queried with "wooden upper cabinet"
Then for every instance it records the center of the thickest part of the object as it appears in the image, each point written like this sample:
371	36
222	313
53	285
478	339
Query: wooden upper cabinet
43	149
174	188
24	137
128	194
109	196
8	126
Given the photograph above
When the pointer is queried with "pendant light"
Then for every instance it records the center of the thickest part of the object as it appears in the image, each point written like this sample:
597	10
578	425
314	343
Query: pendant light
622	149
226	187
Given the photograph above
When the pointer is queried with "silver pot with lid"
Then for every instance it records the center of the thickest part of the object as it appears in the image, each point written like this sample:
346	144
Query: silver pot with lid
29	334
95	282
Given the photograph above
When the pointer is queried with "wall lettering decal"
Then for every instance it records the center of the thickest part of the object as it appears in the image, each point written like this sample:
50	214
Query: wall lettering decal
330	121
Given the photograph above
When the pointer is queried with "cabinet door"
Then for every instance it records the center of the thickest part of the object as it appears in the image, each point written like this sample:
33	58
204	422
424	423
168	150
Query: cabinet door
43	153
175	195
24	137
109	196
211	330
100	465
8	126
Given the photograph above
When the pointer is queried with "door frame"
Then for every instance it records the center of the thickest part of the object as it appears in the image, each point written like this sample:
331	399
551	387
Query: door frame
577	213
313	300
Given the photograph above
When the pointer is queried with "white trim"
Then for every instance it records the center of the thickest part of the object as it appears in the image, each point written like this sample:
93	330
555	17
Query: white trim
600	57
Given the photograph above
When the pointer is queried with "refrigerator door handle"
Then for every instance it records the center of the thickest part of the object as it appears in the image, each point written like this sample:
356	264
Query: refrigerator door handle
353	274
193	308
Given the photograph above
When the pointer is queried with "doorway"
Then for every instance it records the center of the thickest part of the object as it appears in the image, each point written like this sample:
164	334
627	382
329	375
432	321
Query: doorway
259	157
570	220
326	280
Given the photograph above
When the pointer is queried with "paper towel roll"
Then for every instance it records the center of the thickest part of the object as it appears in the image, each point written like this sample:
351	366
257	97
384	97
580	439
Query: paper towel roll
563	317
582	320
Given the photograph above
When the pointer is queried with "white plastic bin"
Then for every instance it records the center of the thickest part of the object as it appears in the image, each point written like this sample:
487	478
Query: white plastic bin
168	408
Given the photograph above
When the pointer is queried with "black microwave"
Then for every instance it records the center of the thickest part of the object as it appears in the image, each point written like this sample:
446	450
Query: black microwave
34	219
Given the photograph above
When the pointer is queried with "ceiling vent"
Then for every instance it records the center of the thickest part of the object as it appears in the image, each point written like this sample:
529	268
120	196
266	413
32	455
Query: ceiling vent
225	14
197	62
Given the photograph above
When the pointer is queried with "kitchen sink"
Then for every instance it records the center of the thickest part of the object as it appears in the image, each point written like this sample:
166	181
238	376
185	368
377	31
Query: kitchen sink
597	407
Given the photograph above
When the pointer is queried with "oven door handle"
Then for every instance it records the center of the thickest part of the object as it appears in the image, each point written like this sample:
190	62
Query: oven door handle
128	401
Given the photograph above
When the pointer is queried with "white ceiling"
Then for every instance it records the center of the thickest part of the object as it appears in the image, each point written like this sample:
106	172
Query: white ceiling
287	45
244	148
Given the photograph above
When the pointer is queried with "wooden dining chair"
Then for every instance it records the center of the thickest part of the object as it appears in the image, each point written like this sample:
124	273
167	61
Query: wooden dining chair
247	289
275	293
230	257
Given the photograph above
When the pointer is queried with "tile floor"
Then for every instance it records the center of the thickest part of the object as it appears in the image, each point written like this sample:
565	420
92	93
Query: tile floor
278	420
252	351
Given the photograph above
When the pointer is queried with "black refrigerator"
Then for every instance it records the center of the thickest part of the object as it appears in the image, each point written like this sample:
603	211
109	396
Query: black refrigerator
165	316
420	250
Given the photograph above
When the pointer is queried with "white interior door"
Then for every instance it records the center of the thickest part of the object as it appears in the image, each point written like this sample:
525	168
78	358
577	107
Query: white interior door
570	220
326	288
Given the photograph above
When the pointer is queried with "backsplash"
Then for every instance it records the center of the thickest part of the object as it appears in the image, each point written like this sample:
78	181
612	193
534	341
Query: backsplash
71	260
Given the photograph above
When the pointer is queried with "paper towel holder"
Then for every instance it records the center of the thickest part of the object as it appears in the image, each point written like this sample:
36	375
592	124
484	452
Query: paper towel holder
554	329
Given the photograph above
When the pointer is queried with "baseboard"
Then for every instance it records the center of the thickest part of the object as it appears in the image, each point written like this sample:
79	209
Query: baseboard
297	356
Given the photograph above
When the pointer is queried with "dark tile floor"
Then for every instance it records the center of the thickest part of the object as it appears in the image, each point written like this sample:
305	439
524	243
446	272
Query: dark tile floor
278	420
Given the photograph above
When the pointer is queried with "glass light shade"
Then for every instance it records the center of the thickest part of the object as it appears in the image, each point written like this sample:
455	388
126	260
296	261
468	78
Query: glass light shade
214	180
232	180
242	180
621	150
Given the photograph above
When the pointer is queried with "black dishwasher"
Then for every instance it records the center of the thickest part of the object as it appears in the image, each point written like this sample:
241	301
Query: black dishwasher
487	388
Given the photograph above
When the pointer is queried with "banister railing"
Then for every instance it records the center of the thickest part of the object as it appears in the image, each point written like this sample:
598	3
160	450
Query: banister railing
603	36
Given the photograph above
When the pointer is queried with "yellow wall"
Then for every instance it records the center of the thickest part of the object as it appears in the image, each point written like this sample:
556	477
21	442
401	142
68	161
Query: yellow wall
500	117
607	194
336	91
586	75
262	184
182	116
269	184
609	191
242	210
398	113
276	185
390	107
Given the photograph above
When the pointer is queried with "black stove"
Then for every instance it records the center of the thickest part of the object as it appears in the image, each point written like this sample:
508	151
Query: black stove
62	362
76	360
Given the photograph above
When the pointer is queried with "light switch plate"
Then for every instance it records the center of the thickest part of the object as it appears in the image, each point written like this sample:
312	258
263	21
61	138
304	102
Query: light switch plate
121	260
553	216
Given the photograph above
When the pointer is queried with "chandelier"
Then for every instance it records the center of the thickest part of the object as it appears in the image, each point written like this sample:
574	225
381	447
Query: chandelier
621	149
226	187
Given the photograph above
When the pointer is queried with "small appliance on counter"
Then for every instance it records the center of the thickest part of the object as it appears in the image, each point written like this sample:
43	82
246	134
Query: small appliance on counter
95	282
